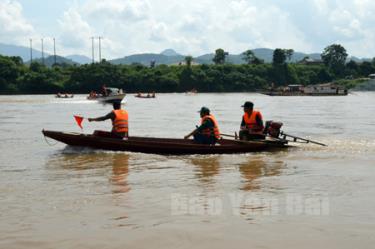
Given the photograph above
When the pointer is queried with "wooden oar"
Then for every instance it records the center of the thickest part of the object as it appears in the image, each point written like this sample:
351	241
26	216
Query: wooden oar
227	135
254	141
295	138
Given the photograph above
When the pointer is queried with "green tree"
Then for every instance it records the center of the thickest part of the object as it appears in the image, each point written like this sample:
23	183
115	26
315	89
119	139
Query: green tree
279	56
289	53
220	56
366	68
8	70
188	60
250	58
352	68
37	67
324	76
334	57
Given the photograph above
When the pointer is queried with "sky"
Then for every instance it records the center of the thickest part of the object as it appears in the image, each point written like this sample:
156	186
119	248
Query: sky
190	27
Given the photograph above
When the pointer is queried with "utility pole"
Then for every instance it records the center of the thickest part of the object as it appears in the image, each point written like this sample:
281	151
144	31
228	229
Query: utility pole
42	52
54	50
92	47
100	49
31	50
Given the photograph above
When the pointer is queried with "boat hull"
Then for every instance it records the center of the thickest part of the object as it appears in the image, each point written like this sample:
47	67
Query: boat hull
144	97
302	94
166	146
109	99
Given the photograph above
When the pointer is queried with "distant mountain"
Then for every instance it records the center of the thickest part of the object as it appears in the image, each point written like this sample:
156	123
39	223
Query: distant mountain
204	59
23	52
265	54
358	60
168	56
170	52
81	59
50	60
146	59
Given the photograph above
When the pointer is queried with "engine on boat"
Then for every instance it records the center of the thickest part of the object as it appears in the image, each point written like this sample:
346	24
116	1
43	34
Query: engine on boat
273	128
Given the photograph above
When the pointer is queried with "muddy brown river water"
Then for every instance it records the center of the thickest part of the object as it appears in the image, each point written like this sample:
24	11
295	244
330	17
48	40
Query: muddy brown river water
53	196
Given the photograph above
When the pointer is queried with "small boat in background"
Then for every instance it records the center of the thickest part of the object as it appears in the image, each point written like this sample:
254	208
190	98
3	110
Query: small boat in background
191	92
109	96
148	96
64	95
327	89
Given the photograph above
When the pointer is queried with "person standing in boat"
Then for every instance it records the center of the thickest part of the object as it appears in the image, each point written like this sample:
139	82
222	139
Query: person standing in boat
252	123
119	119
208	132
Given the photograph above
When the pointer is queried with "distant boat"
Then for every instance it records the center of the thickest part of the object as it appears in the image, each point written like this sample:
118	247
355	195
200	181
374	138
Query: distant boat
64	96
191	92
327	89
112	95
148	96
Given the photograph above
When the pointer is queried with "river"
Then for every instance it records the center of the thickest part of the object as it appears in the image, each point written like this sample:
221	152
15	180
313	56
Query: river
53	196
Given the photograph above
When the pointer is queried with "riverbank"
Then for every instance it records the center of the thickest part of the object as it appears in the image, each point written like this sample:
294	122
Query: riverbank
39	79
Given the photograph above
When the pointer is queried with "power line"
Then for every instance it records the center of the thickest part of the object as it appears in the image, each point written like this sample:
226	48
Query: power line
54	50
31	50
100	49
42	52
92	47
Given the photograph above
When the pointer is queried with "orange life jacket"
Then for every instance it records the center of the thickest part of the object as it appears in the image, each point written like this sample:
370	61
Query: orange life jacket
251	122
214	131
120	124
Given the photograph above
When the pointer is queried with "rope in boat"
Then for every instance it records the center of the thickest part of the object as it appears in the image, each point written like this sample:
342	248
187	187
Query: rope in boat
50	144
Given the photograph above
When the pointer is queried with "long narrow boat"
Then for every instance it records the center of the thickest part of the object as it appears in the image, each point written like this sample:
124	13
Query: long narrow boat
167	146
145	96
108	99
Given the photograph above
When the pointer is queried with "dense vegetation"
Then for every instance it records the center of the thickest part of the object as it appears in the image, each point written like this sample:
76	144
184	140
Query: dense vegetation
16	77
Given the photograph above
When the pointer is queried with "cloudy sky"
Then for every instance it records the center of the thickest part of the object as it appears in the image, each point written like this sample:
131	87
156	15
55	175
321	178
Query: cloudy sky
190	26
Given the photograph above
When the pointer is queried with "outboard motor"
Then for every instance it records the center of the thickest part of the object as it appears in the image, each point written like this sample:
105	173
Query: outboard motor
273	128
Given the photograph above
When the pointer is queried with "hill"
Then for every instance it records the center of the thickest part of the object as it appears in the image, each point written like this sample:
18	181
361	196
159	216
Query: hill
23	52
170	52
265	54
146	59
81	59
50	60
168	56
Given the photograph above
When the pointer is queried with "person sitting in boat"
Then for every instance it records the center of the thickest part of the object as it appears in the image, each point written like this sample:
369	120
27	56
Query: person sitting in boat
104	90
252	123
208	132
119	119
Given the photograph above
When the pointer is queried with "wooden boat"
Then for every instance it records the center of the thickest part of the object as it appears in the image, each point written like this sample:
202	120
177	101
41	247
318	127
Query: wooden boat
145	96
108	99
167	146
64	96
328	89
275	93
111	95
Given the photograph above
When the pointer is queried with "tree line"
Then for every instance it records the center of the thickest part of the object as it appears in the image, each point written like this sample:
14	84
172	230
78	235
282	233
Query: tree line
16	77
